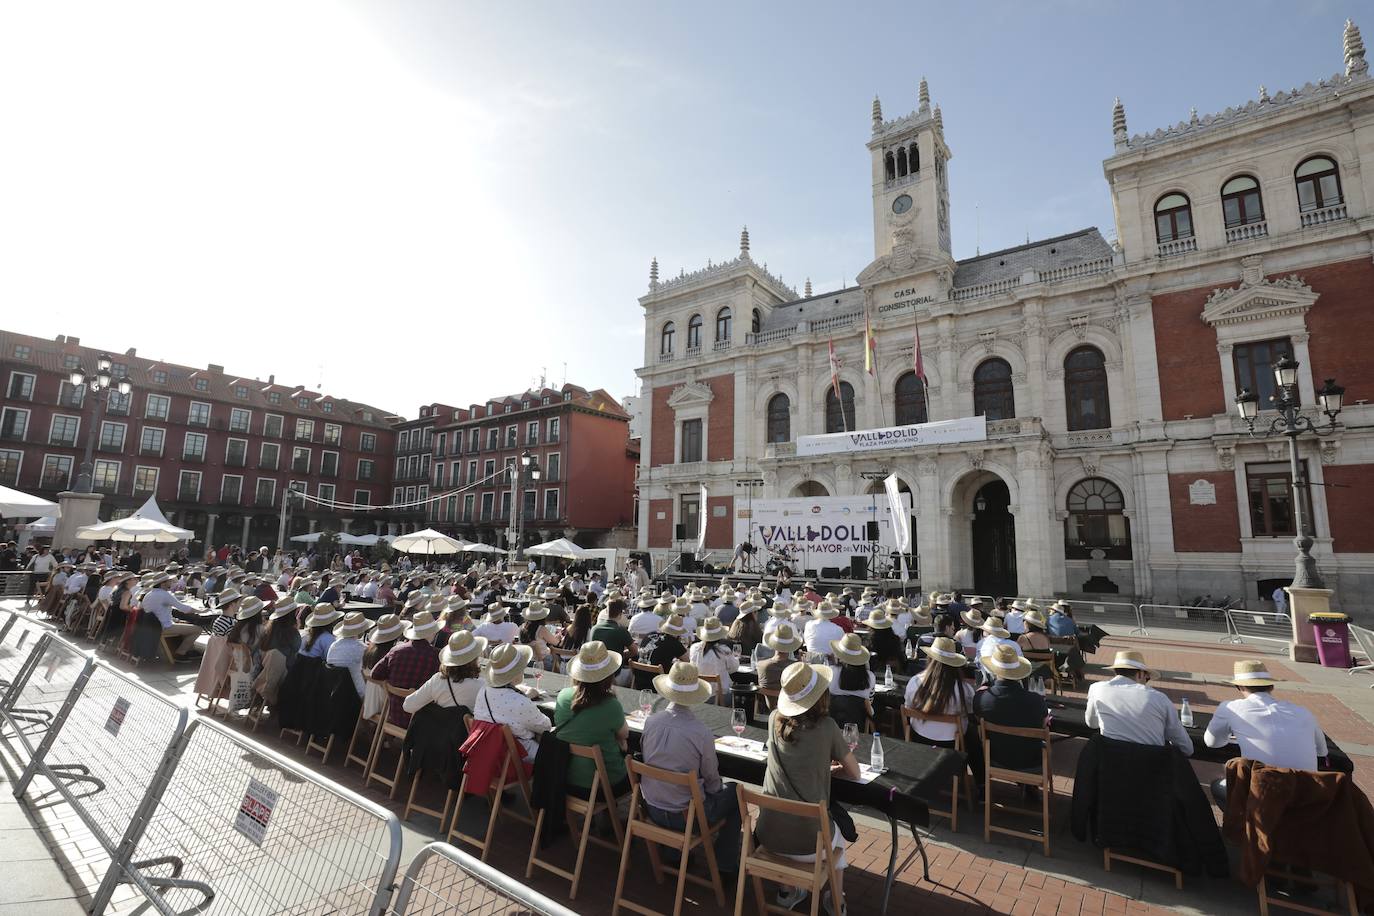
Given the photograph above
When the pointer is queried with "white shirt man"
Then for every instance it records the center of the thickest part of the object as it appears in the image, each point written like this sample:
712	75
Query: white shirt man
1016	621
596	586
42	563
161	603
368	590
820	633
1126	709
498	631
76	582
645	622
1272	731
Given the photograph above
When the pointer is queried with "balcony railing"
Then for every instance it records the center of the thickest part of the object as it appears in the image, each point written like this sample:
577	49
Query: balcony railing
235	461
150	451
1177	247
197	421
65	441
265	501
692	351
115	447
300	467
197	458
1323	216
1247	232
188	494
329	472
12	435
55	481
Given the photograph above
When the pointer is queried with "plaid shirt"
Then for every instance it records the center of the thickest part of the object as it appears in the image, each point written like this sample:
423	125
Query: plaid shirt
407	666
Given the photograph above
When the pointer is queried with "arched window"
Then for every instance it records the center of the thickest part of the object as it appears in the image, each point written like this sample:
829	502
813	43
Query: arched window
909	400
810	488
1085	389
992	391
1173	218
913	159
724	323
1097	520
665	343
901	162
779	418
889	166
1241	203
756	322
835	421
694	333
1319	184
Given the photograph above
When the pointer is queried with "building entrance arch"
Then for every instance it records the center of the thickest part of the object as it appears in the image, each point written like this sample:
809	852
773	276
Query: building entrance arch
993	533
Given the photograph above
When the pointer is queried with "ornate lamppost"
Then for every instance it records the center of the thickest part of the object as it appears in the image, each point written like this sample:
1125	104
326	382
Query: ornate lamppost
99	386
528	466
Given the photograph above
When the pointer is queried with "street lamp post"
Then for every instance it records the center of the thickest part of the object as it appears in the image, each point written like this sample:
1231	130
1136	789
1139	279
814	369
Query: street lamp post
1291	423
529	465
99	386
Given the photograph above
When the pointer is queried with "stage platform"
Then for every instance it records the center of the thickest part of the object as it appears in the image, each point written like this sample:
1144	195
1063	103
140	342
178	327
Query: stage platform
823	584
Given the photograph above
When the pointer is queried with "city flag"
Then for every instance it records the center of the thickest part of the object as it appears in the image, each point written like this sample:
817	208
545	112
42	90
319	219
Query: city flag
835	371
870	347
916	356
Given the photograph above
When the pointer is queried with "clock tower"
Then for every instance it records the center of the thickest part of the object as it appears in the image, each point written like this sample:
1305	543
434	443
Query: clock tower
910	183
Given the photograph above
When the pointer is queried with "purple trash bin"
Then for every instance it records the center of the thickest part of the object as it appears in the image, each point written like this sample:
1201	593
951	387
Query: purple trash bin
1331	630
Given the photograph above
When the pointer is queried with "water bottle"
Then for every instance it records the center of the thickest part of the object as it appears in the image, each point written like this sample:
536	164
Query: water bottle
1185	715
875	753
888	681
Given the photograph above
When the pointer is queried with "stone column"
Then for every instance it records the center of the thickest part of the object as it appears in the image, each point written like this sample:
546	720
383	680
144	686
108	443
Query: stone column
77	510
210	528
314	523
1033	533
345	522
247	528
931	526
1301	603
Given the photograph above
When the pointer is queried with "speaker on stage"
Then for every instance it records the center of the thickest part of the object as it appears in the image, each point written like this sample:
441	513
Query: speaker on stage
830	572
872	532
688	564
858	566
680	532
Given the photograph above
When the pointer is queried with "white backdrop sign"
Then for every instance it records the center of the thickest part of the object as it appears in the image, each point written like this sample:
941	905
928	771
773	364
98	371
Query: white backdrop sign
823	530
941	432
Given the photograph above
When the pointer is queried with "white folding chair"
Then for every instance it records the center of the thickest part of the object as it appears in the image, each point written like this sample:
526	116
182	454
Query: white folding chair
1365	640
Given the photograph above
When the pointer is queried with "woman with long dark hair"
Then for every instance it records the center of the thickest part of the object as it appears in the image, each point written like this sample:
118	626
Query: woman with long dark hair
588	713
746	631
581	627
884	643
942	689
278	645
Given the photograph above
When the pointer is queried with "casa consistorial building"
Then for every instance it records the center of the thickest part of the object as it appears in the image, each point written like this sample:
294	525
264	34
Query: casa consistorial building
1113	460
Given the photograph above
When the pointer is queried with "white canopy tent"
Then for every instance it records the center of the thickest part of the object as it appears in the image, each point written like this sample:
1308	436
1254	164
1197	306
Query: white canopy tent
560	547
428	541
18	504
358	540
43	527
310	538
148	524
480	548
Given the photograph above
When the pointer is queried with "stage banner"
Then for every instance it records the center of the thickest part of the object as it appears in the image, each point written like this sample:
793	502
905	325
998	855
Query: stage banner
819	531
941	432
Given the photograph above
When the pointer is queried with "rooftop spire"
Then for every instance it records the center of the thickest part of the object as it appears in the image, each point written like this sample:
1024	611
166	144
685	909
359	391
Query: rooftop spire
653	274
877	113
808	287
1119	123
1354	50
939	120
744	242
925	95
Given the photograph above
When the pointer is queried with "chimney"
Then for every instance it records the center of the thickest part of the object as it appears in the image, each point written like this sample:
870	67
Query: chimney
272	380
74	341
217	370
61	338
132	351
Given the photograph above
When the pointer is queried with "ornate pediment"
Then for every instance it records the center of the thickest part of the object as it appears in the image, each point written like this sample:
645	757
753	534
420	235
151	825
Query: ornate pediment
1257	299
692	394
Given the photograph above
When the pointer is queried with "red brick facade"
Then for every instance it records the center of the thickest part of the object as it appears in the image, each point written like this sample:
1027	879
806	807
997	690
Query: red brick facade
661	422
660	529
1350	506
720	532
1205	529
720	424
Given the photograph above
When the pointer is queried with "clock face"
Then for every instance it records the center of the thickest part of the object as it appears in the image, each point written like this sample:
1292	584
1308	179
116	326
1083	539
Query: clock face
901	204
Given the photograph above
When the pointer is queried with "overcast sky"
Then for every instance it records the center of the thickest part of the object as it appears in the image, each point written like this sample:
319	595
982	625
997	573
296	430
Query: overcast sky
408	202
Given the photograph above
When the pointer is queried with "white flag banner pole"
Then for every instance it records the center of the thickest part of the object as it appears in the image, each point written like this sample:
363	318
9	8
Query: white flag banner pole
703	512
901	521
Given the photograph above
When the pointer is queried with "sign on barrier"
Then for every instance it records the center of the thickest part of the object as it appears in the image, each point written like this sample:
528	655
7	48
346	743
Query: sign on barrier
442	879
255	811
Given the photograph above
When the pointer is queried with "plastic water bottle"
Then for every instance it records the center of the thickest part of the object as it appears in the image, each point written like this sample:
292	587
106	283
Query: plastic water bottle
875	753
888	681
1185	715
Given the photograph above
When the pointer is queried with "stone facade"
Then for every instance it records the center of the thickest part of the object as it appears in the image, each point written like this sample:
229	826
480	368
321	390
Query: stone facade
1169	315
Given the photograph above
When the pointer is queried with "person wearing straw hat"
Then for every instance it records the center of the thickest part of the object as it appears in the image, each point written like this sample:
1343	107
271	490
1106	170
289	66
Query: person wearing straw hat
503	701
1128	709
785	642
612	634
712	656
347	650
1033	637
778	614
1007	702
994	635
279	644
536	634
675	739
663	648
803	742
852	686
589	714
746	632
886	646
941	689
1015	618
495	628
647	619
385	636
459	678
822	630
410	664
971	633
177	618
319	626
227	606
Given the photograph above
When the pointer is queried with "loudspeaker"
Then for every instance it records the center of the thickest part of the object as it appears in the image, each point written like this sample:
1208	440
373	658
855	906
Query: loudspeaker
830	572
858	566
680	532
688	563
872	532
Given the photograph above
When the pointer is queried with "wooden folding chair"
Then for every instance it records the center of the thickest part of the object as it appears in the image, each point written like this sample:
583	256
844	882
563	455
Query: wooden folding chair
1042	779
698	832
388	730
1049	661
413	805
1064	644
1344	889
910	712
512	762
564	656
375	723
646	668
717	695
95	624
599	800
757	864
766	700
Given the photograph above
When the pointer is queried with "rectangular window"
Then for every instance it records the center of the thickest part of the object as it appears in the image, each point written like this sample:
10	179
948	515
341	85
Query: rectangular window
151	440
21	351
530	504
274	397
105	475
689	515
71	361
21	386
198	414
159	376
300	460
14	423
472	472
511	437
532	432
424	464
145	480
326	491
193	448
333	434
70	396
240	418
329	464
367	442
10	462
112	436
272	425
188	486
305	430
1255	367
488	468
691	441
398	495
505	504
554	425
266	491
241	392
57	472
488	500
202	384
157	407
119	403
440	443
439	474
366	469
231	489
269	456
411	494
327	407
476	441
493	439
362	497
236	453
413	466
63	430
303	403
1270	488
551	504
403	441
469	501
552	466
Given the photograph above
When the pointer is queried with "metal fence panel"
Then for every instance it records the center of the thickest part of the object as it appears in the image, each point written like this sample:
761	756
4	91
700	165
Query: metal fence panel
17	637
41	685
1192	619
1112	616
264	834
442	880
1268	626
16	584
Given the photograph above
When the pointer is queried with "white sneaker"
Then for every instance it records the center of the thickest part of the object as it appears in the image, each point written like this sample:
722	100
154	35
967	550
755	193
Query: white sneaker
790	897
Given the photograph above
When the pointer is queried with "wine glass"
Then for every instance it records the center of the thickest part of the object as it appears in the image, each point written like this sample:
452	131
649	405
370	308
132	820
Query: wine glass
646	702
851	735
737	722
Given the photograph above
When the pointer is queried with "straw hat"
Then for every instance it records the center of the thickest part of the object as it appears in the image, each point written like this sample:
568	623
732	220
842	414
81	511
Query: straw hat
323	615
249	608
943	599
850	650
975	601
647	602
422	626
972	619
1129	660
415	599
673	626
507	664
878	620
228	597
781	609
991	628
389	627
594	663
826	611
802	686
354	624
1061	605
462	648
943	650
683	685
711	630
1006	662
160	579
682	603
437	604
283	606
892	606
1034	618
783	639
457	603
496	612
1251	673
750	606
537	610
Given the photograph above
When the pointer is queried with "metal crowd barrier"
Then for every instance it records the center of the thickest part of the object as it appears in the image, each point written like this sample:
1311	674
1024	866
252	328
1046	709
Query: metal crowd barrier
16	584
1193	619
444	880
1269	626
1109	615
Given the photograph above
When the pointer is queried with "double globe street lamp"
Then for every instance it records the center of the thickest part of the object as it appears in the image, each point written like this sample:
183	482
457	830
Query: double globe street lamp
528	466
100	386
1291	423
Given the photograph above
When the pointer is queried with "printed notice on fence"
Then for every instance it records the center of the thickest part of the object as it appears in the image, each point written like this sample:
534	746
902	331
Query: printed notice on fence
116	720
255	811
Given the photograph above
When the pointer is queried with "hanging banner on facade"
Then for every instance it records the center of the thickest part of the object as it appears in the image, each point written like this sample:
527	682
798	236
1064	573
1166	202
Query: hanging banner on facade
820	531
941	432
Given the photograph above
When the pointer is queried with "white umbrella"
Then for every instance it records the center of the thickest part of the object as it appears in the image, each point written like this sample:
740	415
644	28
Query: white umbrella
310	538
480	548
42	527
427	541
562	547
17	504
358	540
148	524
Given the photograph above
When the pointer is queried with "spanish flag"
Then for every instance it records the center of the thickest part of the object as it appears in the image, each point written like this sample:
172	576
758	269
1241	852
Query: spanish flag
870	347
